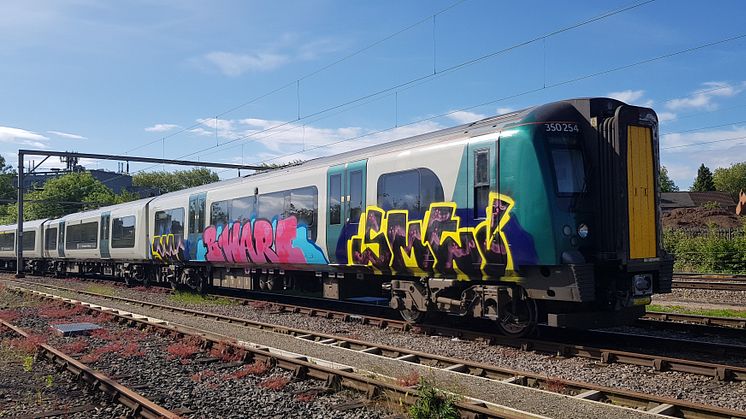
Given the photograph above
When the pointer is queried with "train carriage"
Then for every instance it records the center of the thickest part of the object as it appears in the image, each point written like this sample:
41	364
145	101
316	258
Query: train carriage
545	214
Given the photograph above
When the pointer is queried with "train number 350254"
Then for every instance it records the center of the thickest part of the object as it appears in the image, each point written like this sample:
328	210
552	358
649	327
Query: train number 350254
561	127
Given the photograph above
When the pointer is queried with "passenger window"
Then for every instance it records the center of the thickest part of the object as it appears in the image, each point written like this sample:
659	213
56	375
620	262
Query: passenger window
82	236
7	241
169	222
335	199
29	239
481	182
123	232
411	190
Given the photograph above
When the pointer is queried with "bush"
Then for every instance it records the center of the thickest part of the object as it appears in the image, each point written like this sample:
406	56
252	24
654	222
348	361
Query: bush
707	253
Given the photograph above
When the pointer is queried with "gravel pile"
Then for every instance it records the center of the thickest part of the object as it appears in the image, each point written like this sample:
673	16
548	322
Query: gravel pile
675	385
183	378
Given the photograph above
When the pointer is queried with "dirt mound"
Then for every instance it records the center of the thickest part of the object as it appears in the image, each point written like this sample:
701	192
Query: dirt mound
699	217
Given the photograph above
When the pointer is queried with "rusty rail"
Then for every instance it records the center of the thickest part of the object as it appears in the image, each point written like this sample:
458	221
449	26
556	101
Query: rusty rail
123	395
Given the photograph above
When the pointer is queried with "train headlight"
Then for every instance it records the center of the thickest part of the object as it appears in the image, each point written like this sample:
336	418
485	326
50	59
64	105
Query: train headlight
567	230
583	231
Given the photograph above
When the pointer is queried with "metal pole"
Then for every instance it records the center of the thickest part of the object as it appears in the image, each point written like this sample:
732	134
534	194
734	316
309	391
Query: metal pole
19	224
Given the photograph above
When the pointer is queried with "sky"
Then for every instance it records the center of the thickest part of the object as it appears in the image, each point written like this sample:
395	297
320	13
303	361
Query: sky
250	82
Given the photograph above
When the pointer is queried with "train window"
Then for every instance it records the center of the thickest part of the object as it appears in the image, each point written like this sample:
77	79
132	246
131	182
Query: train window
303	204
105	226
123	232
29	240
50	240
356	194
219	212
568	170
481	182
7	241
169	222
242	209
411	190
335	199
82	236
197	214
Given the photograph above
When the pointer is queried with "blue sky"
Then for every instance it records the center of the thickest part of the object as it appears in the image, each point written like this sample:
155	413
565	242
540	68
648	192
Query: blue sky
191	79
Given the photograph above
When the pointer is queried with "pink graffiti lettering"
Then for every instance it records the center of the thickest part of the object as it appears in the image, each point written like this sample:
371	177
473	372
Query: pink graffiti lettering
259	243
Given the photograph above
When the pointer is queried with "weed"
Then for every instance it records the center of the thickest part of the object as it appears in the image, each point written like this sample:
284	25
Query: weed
102	334
409	380
555	385
432	403
49	381
131	349
9	315
101	289
226	355
308	396
28	345
199	299
257	368
75	347
28	363
182	350
275	383
701	312
90	358
57	312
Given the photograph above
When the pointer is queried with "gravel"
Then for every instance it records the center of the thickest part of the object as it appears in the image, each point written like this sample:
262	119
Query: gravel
668	384
735	300
199	385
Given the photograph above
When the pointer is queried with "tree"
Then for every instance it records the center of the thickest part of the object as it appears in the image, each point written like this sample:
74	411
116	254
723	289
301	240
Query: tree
174	181
703	182
731	179
71	188
667	184
7	175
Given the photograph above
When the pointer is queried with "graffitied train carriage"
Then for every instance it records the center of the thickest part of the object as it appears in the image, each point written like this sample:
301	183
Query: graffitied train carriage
545	214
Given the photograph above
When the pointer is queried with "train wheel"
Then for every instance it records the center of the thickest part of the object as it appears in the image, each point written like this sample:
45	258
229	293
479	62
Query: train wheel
519	319
413	316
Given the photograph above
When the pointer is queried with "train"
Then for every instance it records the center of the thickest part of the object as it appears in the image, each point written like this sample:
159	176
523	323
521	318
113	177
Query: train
545	215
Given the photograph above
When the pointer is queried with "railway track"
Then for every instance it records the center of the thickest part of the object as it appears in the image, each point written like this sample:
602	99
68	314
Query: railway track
709	282
578	390
138	405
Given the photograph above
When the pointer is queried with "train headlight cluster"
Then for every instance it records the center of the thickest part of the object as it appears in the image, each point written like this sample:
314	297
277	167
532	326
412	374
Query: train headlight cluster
583	231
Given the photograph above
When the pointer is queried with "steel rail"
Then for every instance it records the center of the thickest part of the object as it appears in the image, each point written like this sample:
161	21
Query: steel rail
123	395
719	285
717	322
300	366
625	398
564	348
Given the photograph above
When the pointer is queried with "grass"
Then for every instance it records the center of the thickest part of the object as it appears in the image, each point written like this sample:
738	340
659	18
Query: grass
101	289
698	311
198	299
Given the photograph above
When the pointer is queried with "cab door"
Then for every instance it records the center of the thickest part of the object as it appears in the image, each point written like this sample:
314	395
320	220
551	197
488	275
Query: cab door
61	239
346	184
104	236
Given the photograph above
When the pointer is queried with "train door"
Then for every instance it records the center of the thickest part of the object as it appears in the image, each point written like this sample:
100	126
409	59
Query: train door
346	184
640	192
61	239
197	209
483	196
104	236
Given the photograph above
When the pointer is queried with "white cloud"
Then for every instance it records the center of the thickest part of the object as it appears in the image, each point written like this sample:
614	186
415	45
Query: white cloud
708	140
703	98
162	127
666	116
627	96
21	136
465	117
503	111
234	64
67	135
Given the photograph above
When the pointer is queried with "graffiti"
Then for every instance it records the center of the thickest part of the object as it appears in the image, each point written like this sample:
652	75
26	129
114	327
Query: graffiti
260	241
388	241
168	248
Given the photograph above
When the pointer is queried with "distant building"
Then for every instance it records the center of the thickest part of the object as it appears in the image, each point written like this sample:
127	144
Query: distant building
674	200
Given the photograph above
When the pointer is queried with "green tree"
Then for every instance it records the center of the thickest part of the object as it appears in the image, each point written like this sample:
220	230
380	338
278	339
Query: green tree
730	179
667	184
703	182
63	194
174	181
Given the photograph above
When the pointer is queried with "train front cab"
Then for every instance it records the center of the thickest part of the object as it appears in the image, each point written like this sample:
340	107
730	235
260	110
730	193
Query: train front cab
612	248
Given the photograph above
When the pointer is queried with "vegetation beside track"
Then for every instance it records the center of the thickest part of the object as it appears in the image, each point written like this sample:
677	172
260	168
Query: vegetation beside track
187	297
697	311
707	253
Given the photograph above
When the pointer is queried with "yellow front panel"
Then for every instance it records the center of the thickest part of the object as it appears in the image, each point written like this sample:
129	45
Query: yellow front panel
640	193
